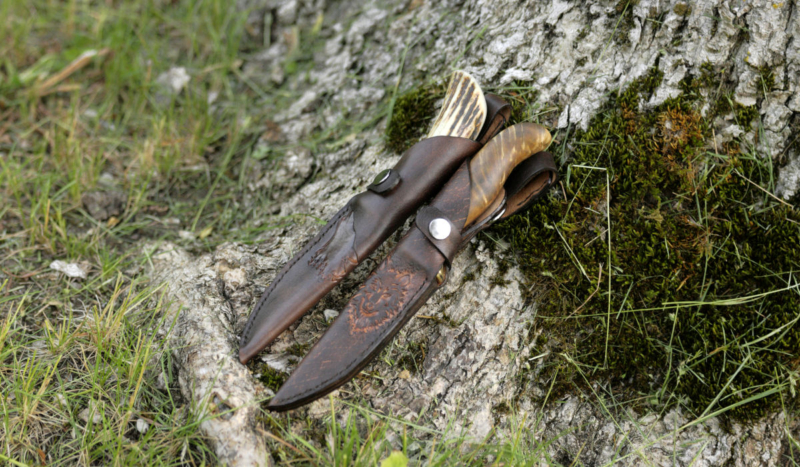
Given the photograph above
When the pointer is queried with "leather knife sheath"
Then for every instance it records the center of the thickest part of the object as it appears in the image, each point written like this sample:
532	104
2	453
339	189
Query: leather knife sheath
359	228
404	281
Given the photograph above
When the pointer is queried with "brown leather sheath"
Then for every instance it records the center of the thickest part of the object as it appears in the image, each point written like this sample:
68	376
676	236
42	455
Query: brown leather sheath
359	228
405	280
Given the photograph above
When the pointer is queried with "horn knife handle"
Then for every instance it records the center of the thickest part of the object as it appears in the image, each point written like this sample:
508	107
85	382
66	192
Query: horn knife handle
490	168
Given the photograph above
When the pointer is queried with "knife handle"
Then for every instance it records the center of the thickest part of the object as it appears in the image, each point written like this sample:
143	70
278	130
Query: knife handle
490	168
463	111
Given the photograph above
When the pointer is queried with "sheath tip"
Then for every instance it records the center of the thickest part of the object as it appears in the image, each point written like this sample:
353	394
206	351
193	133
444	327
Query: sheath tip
279	404
245	354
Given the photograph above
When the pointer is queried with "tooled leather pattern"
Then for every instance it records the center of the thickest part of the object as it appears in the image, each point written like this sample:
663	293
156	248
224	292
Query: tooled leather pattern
382	297
411	296
331	260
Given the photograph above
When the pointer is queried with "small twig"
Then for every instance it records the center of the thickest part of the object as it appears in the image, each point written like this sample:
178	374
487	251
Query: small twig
23	276
736	171
80	62
714	133
283	442
599	278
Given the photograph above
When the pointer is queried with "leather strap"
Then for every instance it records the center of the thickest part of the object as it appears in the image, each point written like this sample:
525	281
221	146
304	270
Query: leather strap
427	218
528	181
498	112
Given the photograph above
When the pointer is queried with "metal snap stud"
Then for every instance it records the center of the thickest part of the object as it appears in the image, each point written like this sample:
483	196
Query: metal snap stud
439	228
382	176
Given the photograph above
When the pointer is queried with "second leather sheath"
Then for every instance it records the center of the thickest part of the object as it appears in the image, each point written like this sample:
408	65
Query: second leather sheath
359	228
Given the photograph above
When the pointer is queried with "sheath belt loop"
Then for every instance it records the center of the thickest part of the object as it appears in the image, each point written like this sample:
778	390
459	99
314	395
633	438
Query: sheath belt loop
498	112
528	181
384	182
440	231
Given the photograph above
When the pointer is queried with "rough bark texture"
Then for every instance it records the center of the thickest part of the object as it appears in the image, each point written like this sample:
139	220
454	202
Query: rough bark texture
481	339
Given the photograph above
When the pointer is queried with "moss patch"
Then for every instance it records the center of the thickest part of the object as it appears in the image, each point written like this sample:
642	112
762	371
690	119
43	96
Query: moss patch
271	378
682	9
623	14
688	298
410	116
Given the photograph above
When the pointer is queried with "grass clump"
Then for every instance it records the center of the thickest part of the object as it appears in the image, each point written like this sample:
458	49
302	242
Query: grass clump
667	268
359	436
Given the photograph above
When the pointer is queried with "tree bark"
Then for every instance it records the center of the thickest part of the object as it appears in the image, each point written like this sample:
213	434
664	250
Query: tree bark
483	333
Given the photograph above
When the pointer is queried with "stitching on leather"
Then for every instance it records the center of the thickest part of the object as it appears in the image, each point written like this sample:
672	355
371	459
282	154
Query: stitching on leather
335	221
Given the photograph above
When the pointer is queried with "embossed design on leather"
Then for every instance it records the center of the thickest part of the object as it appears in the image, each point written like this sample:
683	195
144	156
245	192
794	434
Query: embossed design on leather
383	295
335	258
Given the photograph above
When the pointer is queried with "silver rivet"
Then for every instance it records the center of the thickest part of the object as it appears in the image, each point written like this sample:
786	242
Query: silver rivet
439	228
381	177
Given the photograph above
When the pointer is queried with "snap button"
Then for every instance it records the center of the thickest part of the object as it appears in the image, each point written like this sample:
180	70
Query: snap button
382	176
439	229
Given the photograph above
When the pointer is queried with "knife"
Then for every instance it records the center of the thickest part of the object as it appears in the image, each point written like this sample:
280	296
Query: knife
503	170
370	217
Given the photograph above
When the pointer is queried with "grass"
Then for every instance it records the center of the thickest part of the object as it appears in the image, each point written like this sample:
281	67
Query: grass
359	436
85	378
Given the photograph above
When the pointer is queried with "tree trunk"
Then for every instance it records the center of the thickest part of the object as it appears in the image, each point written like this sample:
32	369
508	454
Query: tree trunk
483	334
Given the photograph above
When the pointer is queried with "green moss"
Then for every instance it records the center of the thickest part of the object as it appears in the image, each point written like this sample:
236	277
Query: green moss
709	75
299	350
682	9
745	115
411	114
271	378
499	279
767	78
502	408
468	277
582	34
687	225
500	411
625	23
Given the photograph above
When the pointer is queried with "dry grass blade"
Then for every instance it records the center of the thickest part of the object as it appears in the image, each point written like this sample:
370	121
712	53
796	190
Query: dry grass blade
80	62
